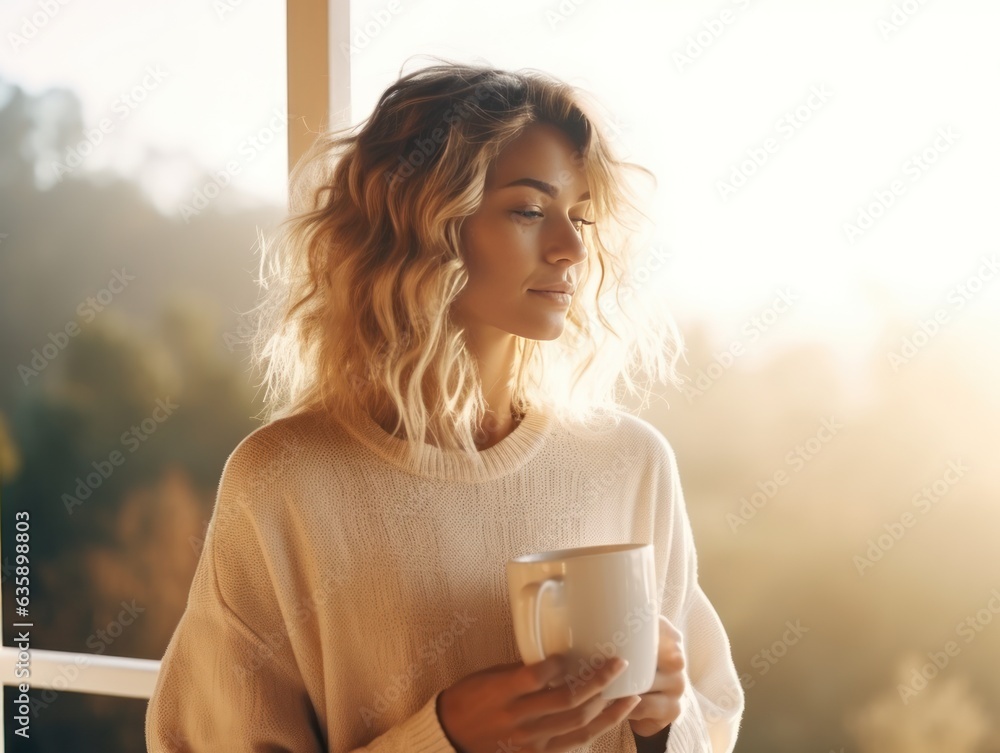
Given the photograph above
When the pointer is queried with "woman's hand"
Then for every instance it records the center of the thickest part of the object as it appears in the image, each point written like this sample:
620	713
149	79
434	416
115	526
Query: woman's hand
512	707
661	705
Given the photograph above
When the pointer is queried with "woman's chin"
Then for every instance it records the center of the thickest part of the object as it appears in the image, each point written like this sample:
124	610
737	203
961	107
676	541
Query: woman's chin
545	332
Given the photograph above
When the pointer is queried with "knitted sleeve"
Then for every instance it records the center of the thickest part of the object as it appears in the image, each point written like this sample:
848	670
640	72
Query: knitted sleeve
713	702
229	679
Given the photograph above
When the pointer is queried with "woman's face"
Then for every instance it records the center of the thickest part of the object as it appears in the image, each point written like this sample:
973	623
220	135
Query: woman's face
525	237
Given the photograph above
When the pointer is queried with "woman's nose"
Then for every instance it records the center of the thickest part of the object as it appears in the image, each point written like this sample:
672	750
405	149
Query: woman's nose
568	244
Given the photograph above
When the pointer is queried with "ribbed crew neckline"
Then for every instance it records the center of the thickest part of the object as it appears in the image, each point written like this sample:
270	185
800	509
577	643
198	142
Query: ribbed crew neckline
506	456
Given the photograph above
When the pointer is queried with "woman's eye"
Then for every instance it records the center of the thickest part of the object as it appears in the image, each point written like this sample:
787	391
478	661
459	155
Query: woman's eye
578	223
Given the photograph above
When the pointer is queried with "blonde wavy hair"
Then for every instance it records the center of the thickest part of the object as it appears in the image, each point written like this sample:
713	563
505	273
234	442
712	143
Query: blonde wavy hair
357	282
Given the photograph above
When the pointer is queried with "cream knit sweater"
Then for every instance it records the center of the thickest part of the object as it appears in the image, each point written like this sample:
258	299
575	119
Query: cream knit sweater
342	586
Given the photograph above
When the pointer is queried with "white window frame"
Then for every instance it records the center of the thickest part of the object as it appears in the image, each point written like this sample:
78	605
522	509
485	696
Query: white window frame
319	96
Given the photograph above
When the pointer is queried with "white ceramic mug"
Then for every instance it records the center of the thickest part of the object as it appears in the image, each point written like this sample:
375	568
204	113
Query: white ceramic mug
589	603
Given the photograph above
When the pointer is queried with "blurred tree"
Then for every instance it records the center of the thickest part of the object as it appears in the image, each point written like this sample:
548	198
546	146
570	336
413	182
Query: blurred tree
10	457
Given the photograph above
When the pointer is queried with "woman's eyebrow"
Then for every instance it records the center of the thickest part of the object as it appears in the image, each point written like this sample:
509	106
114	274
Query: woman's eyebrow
542	186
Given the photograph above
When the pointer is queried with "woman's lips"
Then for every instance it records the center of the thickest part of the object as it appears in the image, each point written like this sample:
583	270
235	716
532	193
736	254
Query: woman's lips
562	298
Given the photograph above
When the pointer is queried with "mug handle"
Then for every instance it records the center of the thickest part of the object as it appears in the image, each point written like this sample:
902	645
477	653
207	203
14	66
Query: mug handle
532	594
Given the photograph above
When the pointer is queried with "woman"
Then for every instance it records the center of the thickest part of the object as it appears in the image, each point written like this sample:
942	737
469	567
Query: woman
442	385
